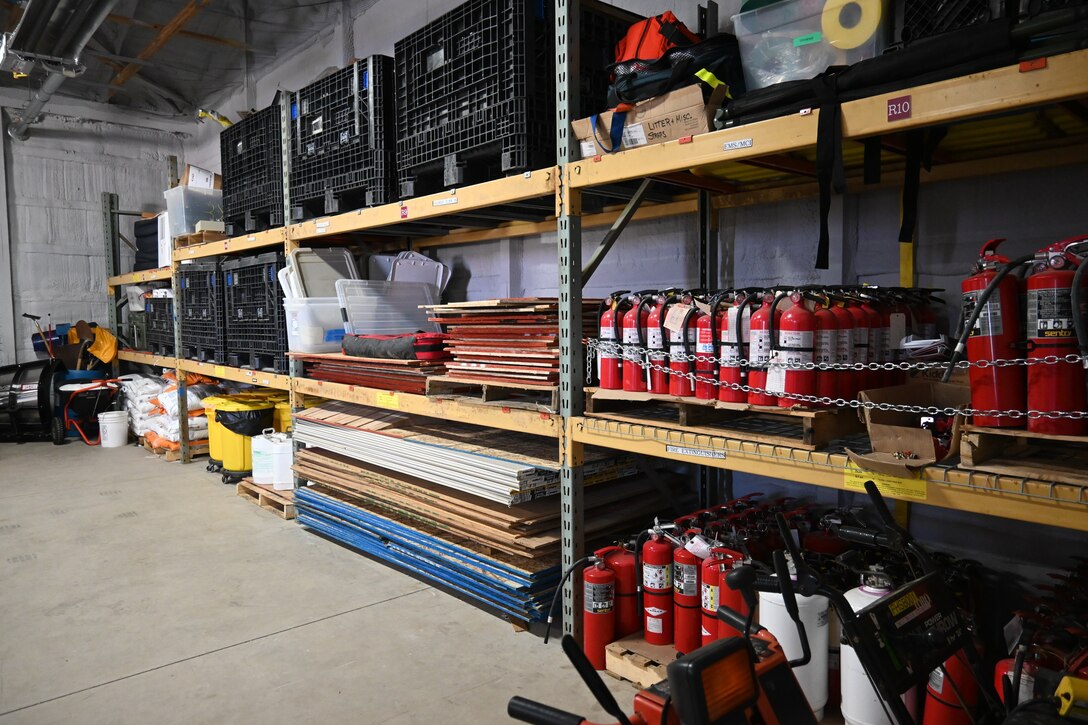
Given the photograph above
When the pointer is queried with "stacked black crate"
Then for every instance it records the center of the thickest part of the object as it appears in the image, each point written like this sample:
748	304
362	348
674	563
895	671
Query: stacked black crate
160	325
251	155
256	321
201	309
342	150
476	90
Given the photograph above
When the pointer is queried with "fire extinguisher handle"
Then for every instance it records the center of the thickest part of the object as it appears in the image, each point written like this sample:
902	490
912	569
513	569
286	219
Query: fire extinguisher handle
525	710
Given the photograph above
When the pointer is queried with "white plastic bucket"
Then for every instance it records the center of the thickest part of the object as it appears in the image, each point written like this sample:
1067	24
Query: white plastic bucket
114	428
272	459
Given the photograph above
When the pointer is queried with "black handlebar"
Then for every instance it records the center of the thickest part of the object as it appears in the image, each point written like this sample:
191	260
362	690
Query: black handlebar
736	620
858	535
538	713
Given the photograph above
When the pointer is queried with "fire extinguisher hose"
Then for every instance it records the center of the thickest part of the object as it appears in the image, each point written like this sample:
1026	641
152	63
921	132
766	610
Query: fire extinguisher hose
980	304
559	591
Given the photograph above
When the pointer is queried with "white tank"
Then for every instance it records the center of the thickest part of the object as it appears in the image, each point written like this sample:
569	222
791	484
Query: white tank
272	460
861	705
813	612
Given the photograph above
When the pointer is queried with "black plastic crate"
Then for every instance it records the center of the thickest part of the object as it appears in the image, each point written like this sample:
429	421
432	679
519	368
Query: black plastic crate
251	155
201	305
476	91
342	131
160	325
256	321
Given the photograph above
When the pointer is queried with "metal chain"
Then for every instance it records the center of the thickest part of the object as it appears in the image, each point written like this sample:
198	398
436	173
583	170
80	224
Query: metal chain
824	400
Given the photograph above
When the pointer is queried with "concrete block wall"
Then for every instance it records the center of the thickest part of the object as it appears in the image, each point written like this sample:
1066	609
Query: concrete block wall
55	180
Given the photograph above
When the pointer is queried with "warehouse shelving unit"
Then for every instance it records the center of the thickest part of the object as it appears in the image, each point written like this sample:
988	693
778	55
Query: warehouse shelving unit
1028	116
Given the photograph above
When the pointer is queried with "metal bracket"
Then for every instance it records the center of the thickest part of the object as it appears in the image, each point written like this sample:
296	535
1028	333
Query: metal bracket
614	232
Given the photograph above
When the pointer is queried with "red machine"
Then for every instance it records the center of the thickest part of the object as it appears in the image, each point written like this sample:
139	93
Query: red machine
610	315
734	353
657	594
1052	324
706	348
760	348
796	346
686	599
995	335
943	694
657	377
635	332
681	345
599	611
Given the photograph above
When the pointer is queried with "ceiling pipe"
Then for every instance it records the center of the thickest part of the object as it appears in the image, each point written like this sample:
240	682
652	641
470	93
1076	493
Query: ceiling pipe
29	114
29	18
65	47
41	22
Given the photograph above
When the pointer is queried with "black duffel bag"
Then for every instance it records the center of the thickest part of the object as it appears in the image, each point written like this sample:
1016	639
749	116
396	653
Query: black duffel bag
712	62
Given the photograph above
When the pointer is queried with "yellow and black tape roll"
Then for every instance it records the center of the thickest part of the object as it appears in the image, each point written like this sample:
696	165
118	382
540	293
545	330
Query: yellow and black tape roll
847	24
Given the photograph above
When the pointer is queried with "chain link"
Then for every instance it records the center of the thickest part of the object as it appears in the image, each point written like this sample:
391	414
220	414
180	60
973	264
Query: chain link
624	352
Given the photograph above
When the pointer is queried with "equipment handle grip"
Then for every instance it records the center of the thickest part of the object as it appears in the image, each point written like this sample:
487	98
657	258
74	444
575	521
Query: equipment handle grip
519	708
735	619
857	535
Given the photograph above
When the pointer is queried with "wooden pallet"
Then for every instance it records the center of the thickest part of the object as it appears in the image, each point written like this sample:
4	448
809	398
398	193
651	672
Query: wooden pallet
1018	453
197	449
189	240
807	428
281	503
512	395
635	660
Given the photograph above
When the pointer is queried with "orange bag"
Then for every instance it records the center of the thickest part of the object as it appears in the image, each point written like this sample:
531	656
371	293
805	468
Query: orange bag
648	39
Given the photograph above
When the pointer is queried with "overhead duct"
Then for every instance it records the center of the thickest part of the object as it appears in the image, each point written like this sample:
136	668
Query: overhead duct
81	25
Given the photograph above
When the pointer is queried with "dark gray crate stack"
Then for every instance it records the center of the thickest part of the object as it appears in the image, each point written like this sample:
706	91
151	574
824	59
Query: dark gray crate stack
201	308
342	149
160	325
251	158
476	90
256	321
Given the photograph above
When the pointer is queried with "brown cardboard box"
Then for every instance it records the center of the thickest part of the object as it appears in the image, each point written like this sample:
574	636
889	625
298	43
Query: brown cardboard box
199	178
891	432
674	115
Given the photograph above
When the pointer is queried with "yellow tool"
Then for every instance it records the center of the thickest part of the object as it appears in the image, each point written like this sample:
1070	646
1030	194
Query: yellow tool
222	120
1072	694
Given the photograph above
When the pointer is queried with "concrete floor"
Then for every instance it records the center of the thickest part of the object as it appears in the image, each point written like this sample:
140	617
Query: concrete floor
138	591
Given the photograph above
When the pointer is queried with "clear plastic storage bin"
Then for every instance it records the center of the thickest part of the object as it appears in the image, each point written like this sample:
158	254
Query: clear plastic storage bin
314	324
185	206
385	308
798	39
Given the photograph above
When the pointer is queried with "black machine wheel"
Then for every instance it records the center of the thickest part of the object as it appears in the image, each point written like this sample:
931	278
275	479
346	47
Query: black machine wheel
58	431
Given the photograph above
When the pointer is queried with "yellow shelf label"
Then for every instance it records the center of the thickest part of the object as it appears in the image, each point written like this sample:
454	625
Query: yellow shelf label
854	478
388	400
220	371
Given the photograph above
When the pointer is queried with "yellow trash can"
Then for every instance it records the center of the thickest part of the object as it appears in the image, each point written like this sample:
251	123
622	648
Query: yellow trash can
237	421
215	439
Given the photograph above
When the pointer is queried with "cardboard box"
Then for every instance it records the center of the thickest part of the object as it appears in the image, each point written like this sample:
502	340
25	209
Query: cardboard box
199	178
674	115
892	432
166	242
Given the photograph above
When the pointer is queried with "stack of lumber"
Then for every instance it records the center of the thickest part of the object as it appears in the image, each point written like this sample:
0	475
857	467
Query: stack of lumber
513	341
501	466
404	376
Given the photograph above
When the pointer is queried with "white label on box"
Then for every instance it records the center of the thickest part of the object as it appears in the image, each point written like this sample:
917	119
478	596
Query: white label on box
588	149
742	143
634	135
200	178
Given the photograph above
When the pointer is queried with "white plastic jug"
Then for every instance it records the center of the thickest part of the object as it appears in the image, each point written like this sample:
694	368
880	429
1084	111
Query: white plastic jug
272	460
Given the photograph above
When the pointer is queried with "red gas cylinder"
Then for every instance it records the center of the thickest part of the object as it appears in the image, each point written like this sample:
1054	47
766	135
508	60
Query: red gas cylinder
609	316
734	336
599	611
760	348
706	349
826	350
686	598
944	694
622	563
1051	332
796	346
657	590
996	335
844	355
658	375
635	330
681	349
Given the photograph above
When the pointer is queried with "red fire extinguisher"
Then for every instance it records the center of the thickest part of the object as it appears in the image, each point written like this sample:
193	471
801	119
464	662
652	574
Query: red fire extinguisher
599	611
681	345
995	335
719	561
622	562
945	693
796	346
861	343
609	354
706	348
728	596
844	355
735	350
924	319
657	376
878	339
686	595
1054	313
761	345
635	331
826	347
657	589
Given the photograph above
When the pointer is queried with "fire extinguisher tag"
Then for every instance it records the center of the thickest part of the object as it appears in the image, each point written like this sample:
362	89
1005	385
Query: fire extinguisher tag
657	576
936	681
897	329
776	373
702	307
686	579
710	598
698	546
827	346
674	319
1050	313
599	598
1013	631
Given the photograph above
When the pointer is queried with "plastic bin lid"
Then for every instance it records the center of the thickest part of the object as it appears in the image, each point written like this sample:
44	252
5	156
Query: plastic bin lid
317	270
